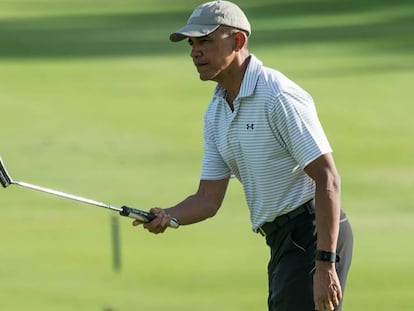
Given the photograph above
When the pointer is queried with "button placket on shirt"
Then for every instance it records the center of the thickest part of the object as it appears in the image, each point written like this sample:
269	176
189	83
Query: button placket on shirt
232	134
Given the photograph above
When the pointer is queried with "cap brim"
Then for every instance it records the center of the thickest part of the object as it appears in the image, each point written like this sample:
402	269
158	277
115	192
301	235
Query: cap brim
192	30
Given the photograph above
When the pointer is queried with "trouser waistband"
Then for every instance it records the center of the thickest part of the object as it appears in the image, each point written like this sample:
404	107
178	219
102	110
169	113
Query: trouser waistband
270	227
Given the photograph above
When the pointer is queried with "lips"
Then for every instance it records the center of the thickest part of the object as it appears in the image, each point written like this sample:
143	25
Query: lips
200	64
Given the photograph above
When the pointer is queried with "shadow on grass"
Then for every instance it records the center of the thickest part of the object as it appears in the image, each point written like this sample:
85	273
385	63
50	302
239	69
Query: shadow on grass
117	35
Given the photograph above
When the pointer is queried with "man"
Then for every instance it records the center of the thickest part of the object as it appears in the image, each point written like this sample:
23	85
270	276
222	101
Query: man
263	128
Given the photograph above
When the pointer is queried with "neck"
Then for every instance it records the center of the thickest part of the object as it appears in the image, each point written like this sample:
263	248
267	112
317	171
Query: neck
233	79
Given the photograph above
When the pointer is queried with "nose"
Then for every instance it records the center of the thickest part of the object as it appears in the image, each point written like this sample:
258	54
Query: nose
195	52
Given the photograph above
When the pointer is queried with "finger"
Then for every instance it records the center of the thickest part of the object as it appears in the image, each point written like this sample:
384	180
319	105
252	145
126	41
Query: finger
319	306
158	224
329	306
336	294
339	292
137	223
165	220
157	211
163	216
334	298
335	302
153	223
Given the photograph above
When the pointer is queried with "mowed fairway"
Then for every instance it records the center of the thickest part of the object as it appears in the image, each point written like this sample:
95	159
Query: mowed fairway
97	102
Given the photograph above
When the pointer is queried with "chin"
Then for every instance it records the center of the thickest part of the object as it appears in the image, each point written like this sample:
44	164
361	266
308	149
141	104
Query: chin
204	78
208	77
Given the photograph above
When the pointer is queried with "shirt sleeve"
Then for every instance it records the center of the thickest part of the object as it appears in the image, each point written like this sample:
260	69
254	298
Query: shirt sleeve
213	165
298	127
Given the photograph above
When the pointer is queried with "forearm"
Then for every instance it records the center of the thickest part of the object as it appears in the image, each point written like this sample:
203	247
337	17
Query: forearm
327	201
327	205
201	205
192	210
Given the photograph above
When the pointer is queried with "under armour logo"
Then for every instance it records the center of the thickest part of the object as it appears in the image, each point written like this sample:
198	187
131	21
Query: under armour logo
250	126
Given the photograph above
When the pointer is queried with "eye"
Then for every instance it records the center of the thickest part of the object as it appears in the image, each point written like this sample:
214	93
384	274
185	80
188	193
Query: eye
190	42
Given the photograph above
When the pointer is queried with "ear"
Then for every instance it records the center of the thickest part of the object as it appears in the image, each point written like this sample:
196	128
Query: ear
240	40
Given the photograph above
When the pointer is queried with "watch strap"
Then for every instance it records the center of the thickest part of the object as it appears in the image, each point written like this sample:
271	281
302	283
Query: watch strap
326	256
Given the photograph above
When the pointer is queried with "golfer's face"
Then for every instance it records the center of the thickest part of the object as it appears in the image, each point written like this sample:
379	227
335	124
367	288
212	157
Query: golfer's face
212	54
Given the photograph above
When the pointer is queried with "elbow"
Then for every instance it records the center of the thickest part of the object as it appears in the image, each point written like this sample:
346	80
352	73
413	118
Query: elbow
331	183
328	180
336	181
324	173
211	211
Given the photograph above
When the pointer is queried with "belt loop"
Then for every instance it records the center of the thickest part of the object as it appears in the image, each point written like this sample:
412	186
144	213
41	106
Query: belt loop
310	206
261	231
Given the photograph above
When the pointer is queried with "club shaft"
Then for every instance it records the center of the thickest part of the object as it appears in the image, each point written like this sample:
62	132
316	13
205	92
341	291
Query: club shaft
67	195
126	211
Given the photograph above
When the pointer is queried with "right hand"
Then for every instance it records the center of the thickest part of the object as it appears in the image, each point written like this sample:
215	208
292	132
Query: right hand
159	224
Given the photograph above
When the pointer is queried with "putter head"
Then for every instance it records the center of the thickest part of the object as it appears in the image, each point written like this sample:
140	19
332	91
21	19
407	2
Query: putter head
5	178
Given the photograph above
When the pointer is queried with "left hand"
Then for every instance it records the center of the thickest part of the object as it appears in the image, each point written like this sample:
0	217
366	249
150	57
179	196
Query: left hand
327	291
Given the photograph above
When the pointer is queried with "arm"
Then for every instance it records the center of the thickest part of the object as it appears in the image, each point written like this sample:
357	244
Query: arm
327	197
327	289
195	208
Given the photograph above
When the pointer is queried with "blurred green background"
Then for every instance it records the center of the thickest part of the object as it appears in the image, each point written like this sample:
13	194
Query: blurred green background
96	101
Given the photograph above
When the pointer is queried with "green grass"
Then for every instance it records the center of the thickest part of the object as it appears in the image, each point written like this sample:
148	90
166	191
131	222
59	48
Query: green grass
95	101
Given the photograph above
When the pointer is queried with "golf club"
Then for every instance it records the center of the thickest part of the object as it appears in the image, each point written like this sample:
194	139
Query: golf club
134	213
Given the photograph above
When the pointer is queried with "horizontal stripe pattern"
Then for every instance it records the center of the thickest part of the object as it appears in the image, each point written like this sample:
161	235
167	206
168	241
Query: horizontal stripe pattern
266	142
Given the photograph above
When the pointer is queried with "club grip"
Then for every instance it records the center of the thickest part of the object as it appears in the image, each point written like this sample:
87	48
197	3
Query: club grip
143	215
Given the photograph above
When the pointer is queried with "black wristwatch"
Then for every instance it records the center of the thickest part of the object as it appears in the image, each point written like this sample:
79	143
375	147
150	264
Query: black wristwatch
326	256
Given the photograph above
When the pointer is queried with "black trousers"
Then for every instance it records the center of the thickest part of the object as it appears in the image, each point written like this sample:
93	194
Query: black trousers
292	263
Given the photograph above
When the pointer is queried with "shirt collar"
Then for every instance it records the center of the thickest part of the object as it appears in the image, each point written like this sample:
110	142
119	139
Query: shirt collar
249	80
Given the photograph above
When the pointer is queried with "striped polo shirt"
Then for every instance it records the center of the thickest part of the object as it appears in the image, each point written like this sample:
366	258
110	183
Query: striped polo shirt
266	142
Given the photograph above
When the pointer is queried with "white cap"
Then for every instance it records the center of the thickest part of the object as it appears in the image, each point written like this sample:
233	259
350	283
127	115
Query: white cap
207	17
